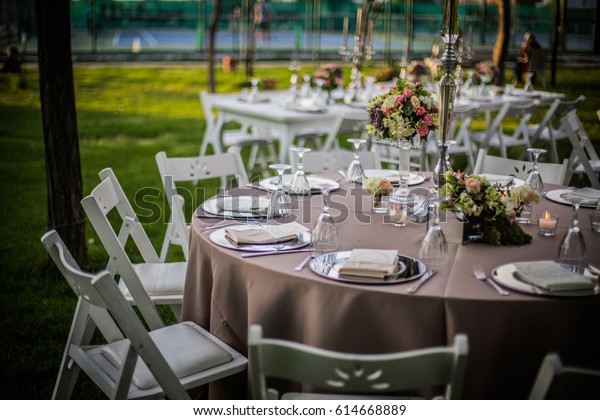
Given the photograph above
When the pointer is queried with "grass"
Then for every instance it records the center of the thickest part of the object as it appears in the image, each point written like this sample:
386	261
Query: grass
125	116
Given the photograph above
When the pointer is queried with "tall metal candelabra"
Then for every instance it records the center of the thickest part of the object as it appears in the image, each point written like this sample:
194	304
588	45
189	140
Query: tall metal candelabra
447	90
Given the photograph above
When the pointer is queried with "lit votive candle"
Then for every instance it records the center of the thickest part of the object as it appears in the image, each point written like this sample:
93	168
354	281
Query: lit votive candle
547	224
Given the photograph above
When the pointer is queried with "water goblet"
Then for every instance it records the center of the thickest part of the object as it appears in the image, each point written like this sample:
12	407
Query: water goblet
299	183
280	203
434	248
356	173
324	233
571	251
253	95
534	180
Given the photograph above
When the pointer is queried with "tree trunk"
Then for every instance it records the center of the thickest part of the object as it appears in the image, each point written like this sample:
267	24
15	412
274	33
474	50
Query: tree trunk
59	119
212	33
502	40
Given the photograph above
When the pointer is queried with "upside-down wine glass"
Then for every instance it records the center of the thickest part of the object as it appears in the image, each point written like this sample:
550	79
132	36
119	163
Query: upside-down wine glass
534	180
254	89
280	203
434	248
356	173
299	183
324	233
571	251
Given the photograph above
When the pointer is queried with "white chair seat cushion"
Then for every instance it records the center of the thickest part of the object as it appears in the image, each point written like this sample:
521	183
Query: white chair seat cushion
186	350
159	278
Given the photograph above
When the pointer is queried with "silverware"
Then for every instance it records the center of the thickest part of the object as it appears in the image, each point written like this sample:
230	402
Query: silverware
317	251
217	226
480	275
285	251
428	274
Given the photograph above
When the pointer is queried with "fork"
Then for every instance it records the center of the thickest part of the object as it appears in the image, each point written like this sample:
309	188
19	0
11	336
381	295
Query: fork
480	275
317	252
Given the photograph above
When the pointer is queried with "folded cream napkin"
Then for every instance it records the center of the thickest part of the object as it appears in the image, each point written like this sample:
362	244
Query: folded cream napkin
243	203
269	234
588	193
551	276
376	263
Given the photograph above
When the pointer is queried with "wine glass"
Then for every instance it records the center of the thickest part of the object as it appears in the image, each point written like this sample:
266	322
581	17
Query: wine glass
254	89
356	173
434	248
324	233
280	203
534	180
571	251
299	183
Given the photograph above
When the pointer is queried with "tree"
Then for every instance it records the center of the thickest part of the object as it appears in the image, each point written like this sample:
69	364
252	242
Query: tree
59	120
500	53
212	33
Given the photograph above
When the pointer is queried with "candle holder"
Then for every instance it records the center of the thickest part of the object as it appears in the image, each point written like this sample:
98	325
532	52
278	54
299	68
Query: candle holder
547	224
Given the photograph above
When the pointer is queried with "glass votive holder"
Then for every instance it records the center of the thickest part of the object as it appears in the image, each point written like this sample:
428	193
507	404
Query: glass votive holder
595	221
547	224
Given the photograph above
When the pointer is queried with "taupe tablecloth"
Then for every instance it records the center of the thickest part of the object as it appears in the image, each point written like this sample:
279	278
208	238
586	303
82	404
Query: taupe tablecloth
508	336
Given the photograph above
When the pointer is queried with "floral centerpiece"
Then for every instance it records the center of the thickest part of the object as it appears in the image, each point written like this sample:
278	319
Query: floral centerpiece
486	71
404	111
484	207
378	187
331	75
520	198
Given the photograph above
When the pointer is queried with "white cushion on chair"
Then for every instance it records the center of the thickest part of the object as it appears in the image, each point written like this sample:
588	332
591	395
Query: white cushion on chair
159	278
174	342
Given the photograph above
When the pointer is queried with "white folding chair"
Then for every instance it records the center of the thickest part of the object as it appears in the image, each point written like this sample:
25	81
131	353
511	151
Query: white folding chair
180	169
389	155
497	136
584	158
261	143
460	129
557	382
163	282
551	173
171	359
344	373
549	129
334	160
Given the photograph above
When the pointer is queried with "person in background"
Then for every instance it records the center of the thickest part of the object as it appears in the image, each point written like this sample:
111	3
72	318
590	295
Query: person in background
528	48
262	19
12	63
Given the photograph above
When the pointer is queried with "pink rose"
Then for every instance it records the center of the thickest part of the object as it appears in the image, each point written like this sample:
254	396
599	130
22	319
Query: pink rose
408	93
421	110
389	111
399	100
385	184
423	131
427	119
418	84
473	186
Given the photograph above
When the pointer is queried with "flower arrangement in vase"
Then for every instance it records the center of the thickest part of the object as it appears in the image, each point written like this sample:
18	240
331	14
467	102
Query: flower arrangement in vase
378	188
331	75
484	207
486	72
520	199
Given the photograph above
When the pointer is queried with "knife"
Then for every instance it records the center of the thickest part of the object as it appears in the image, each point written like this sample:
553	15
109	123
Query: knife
429	274
285	251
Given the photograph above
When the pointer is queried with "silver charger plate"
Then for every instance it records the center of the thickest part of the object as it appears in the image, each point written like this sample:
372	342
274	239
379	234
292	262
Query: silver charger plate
212	206
503	180
394	176
504	275
316	183
218	237
560	196
327	265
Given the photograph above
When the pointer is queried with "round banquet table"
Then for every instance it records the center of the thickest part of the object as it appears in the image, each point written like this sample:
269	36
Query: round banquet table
508	335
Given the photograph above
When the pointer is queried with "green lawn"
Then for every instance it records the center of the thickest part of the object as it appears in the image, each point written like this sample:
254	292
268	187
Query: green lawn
125	116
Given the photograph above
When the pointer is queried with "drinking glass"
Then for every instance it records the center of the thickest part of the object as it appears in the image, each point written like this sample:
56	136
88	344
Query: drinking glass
534	180
280	203
299	183
434	248
356	173
324	233
571	251
253	95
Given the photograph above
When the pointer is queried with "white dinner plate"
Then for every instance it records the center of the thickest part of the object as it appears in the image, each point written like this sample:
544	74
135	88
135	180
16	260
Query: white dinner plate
316	183
307	108
219	206
328	266
394	177
503	180
504	275
559	196
218	237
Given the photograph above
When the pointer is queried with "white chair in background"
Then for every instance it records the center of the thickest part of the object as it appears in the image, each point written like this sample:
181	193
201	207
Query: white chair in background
389	156
180	169
133	363
551	173
162	282
261	143
334	160
584	158
549	129
497	136
343	373
557	382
